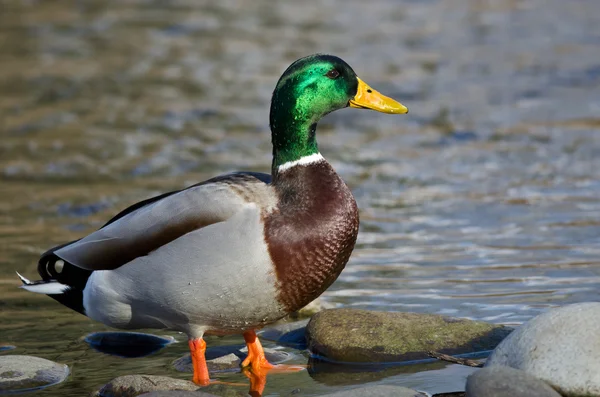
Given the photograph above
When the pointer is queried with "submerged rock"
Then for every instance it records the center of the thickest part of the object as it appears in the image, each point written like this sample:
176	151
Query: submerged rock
287	334
506	382
452	377
127	344
560	346
227	362
22	373
362	336
224	362
377	391
340	375
135	385
223	358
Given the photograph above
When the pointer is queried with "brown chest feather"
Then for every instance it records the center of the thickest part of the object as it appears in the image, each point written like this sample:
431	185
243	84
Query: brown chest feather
312	232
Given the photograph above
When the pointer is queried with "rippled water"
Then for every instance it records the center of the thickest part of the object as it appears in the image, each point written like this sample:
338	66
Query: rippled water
481	203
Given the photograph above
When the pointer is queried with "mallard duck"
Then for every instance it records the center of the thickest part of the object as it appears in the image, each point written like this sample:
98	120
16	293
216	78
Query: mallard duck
233	253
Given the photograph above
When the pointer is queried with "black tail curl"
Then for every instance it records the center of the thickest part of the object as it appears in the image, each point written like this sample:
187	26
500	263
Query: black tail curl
51	267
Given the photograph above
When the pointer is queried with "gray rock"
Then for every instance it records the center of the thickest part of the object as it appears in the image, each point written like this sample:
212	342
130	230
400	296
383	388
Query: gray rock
361	336
377	391
287	334
135	385
21	373
559	347
178	394
224	358
448	377
224	362
506	382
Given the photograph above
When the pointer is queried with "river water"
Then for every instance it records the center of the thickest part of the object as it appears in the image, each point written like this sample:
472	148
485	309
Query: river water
480	203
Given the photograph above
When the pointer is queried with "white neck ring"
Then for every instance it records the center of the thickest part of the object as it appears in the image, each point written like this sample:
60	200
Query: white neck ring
306	160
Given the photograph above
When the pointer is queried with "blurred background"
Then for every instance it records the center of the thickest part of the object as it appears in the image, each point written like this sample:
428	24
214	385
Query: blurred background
483	202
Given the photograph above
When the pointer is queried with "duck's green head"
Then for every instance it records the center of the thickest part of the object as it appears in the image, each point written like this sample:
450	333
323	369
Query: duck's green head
309	89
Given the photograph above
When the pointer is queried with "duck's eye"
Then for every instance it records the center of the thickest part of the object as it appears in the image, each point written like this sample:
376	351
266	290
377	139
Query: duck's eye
333	74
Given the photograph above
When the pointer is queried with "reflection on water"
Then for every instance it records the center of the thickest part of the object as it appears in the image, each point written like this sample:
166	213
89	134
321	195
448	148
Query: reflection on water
481	203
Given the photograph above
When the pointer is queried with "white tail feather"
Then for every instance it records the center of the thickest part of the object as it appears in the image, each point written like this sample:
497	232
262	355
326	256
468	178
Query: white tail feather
51	287
23	279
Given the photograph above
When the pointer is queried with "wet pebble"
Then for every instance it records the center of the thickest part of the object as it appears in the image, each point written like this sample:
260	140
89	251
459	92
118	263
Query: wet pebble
506	382
224	358
22	373
559	347
135	385
362	336
377	391
339	375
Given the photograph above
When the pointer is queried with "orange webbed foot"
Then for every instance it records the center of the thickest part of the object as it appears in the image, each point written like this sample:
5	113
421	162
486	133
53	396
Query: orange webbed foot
256	355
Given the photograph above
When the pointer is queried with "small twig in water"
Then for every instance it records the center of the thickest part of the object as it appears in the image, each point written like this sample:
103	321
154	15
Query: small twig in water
455	360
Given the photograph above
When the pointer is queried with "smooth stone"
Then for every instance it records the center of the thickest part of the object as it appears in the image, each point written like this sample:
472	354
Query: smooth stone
560	347
228	361
506	382
224	358
135	385
362	336
22	373
377	391
127	344
287	334
432	377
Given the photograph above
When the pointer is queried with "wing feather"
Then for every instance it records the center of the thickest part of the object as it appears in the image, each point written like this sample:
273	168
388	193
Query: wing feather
146	226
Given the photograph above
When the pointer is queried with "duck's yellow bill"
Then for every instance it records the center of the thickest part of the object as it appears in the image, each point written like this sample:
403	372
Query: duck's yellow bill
368	98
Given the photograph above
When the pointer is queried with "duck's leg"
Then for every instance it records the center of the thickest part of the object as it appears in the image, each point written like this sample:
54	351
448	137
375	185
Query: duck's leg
258	363
256	355
197	349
